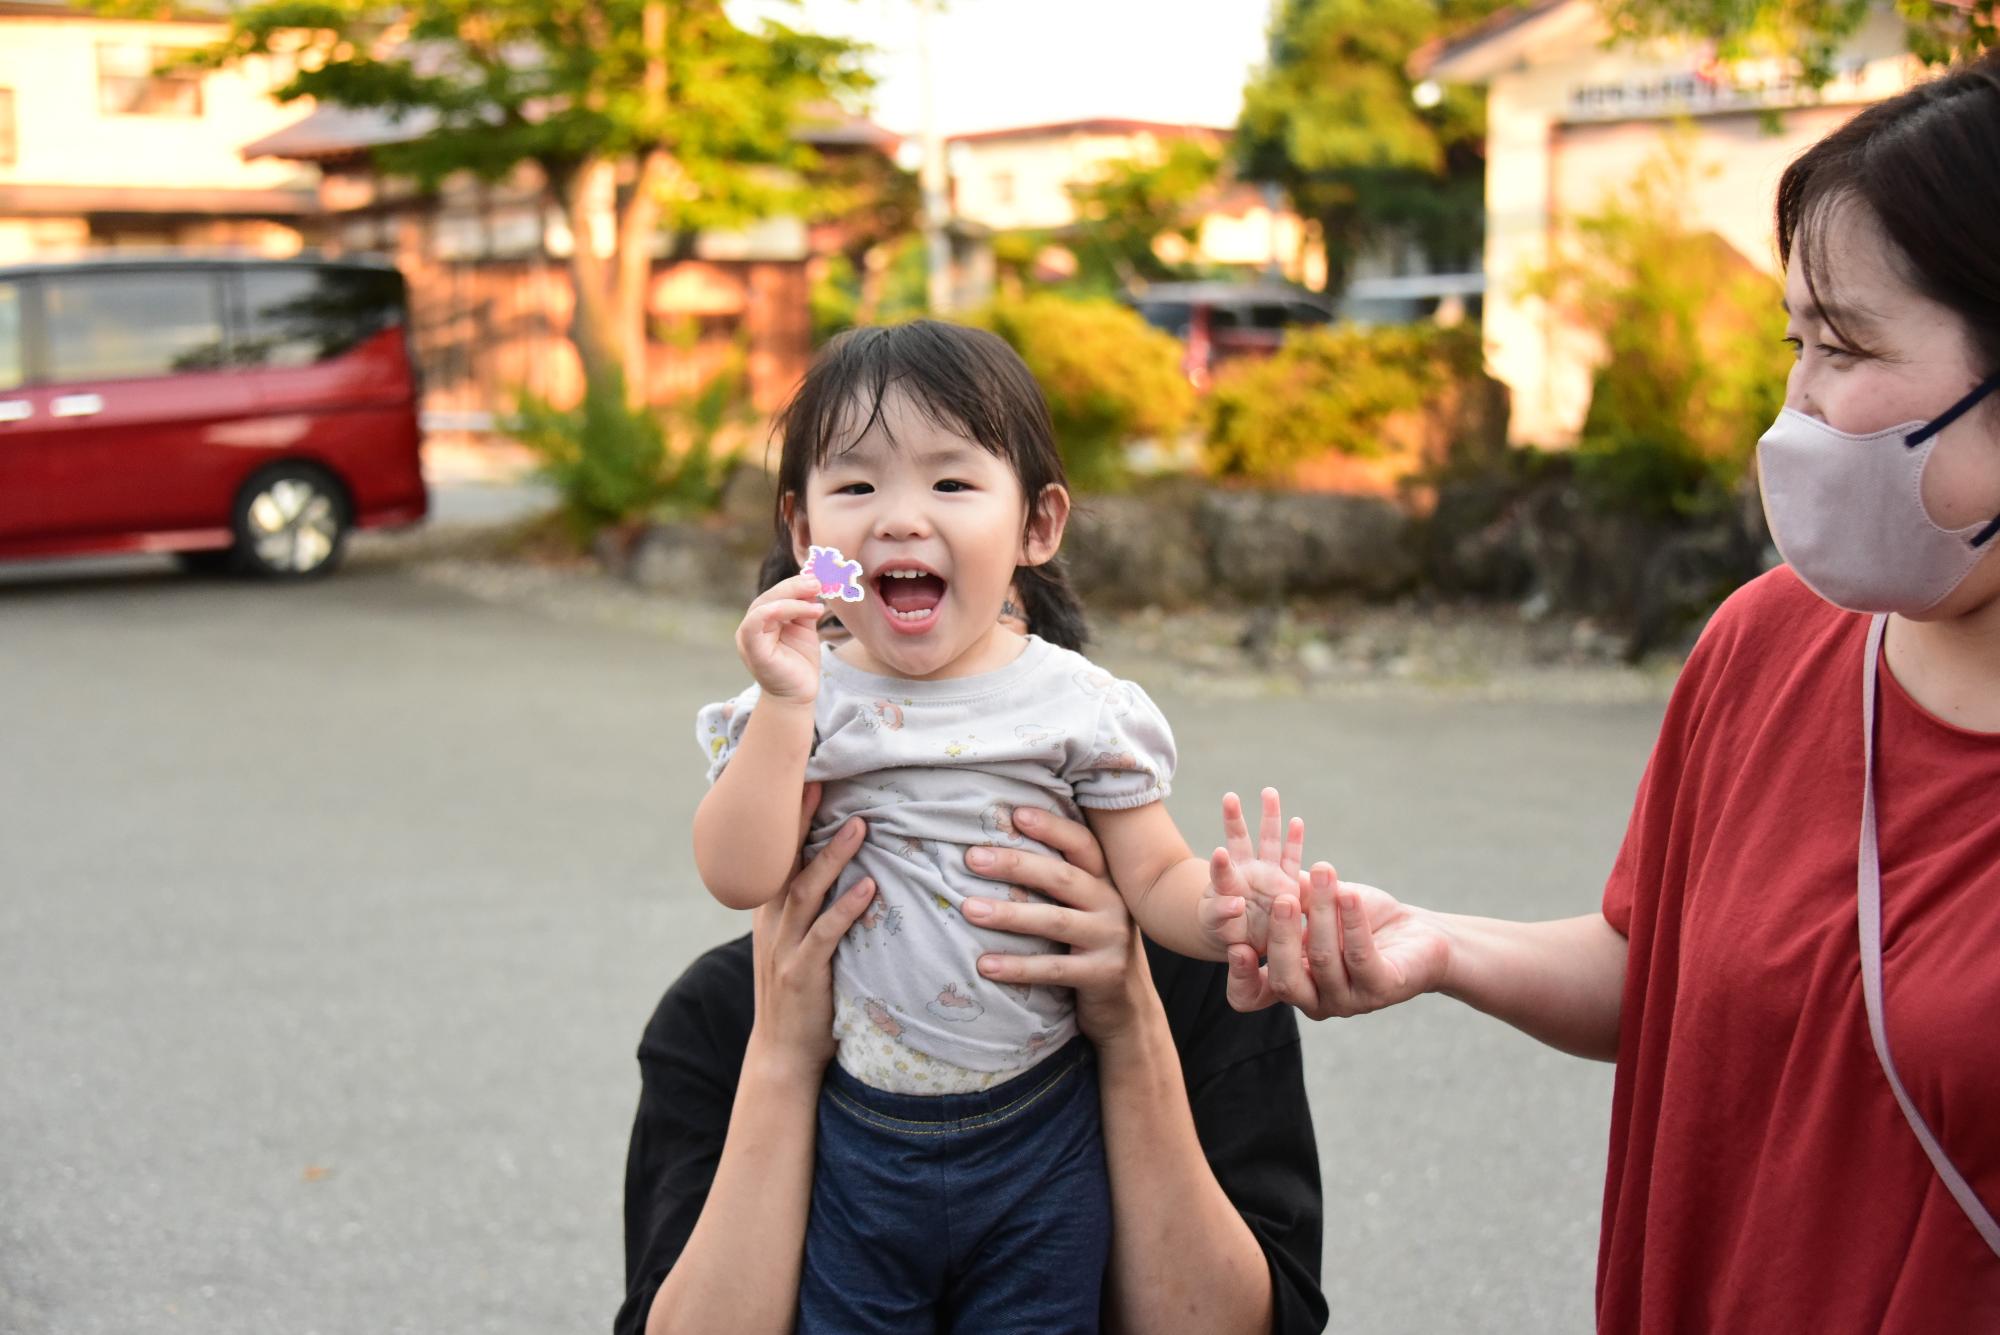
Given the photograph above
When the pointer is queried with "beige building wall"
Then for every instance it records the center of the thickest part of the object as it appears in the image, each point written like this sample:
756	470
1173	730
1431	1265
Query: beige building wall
1022	182
1570	120
65	140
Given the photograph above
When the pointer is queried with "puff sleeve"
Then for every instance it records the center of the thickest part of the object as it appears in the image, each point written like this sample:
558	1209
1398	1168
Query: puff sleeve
1126	759
718	729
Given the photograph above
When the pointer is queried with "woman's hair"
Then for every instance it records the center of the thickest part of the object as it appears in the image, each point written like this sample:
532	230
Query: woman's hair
1926	164
964	380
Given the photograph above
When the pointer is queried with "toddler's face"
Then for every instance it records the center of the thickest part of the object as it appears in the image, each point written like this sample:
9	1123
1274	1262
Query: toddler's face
937	523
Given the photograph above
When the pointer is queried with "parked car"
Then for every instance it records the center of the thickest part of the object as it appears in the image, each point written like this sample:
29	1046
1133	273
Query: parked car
235	412
1218	321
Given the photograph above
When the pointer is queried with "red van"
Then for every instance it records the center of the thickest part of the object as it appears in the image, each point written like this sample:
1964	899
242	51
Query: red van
240	413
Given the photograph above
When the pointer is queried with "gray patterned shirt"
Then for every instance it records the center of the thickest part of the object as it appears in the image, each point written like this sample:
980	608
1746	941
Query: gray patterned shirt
936	767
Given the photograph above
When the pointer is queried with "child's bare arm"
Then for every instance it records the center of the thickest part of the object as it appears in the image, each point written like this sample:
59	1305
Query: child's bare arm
1166	887
744	841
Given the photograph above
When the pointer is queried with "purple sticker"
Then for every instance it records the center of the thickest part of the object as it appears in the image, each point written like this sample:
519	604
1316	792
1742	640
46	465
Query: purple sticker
838	577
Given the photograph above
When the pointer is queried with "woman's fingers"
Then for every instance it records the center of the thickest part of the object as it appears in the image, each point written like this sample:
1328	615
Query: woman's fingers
1235	832
1072	839
1249	987
823	936
1271	828
1051	922
1367	972
1072	971
808	889
1323	929
1285	955
1033	871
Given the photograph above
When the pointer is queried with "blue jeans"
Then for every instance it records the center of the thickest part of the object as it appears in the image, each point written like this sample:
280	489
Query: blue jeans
986	1213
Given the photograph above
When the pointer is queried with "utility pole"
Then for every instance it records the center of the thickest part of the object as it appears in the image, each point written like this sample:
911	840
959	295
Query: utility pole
937	245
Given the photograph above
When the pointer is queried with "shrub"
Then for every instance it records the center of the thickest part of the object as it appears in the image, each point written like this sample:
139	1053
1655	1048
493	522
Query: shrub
1330	389
1694	365
612	463
1109	377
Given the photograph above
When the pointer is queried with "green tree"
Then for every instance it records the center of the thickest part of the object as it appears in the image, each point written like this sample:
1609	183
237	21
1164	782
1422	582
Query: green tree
1131	204
1809	31
665	113
1332	117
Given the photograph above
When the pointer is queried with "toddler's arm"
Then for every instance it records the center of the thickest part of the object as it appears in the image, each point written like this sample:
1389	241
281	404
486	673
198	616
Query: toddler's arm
1166	887
744	839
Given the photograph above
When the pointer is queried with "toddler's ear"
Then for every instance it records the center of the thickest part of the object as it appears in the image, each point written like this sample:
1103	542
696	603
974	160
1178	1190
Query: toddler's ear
1046	521
795	520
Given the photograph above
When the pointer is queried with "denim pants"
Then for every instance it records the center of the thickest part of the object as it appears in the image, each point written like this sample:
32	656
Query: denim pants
986	1213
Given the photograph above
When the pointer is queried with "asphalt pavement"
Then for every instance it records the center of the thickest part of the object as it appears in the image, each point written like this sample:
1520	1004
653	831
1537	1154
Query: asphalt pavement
330	916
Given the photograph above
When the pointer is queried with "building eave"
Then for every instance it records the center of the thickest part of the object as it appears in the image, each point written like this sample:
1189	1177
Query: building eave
1508	40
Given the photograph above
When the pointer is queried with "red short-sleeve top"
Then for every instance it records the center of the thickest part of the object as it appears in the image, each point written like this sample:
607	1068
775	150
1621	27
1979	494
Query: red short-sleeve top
1761	1176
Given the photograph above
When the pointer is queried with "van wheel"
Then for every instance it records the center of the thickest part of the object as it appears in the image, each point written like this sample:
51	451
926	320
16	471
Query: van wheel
291	523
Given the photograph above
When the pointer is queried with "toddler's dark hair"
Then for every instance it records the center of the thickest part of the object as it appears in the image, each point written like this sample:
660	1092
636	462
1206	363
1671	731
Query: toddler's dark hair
965	380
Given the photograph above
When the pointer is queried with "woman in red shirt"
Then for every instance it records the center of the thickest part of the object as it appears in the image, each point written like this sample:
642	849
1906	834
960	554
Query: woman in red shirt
1766	1171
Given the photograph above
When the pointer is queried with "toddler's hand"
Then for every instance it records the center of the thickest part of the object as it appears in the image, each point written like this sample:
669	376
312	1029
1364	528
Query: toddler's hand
779	639
1252	877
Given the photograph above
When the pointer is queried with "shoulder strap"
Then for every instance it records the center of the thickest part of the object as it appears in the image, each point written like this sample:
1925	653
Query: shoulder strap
1869	909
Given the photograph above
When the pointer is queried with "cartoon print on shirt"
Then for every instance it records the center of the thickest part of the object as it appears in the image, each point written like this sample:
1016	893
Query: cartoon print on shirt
1036	1042
998	822
879	915
882	1017
961	749
883	716
1116	694
1122	761
954	1006
1034	734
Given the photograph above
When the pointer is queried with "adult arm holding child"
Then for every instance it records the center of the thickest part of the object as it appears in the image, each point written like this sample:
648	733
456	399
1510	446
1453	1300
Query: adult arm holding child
1215	1191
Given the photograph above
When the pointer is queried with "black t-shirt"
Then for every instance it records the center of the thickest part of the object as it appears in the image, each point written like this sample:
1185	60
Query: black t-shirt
1245	1081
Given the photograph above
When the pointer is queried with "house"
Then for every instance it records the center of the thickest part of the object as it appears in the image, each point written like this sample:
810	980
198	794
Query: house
100	147
1018	179
491	290
1572	116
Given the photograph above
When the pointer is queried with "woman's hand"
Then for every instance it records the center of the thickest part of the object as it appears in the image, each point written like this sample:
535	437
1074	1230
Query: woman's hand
793	945
1106	963
1346	950
778	639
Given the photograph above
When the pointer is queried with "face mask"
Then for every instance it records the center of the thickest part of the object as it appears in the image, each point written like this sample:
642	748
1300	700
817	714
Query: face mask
1847	512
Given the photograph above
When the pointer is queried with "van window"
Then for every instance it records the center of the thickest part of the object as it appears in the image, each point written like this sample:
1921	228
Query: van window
299	316
13	352
1171	316
117	326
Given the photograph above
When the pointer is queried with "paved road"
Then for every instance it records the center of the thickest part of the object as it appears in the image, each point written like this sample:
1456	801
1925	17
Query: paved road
329	917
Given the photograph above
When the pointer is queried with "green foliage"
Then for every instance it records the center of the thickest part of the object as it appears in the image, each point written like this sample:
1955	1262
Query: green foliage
890	284
1329	389
486	85
1110	378
1694	363
1331	117
612	463
1810	32
1131	204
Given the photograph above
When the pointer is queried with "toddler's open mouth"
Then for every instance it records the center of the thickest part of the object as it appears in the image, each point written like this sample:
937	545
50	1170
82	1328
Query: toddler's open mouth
909	594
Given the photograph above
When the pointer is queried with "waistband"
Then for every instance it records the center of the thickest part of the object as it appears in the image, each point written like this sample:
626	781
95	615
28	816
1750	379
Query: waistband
1006	1099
